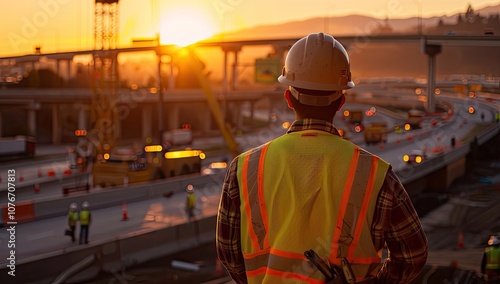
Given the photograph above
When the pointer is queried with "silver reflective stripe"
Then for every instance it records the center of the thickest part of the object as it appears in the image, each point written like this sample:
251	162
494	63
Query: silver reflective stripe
253	196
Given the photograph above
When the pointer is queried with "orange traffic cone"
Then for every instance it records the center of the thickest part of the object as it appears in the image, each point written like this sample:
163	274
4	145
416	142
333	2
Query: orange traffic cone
460	244
124	211
36	188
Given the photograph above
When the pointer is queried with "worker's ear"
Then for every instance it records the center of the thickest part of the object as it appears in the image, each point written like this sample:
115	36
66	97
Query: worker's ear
342	102
287	95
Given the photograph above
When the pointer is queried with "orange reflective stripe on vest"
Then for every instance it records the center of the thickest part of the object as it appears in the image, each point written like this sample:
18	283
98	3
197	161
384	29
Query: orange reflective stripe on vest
320	188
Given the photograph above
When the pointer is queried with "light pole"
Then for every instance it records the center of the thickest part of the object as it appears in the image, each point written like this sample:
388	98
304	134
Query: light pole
419	19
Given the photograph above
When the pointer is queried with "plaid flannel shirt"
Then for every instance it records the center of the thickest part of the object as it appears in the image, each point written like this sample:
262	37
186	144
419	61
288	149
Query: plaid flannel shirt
395	223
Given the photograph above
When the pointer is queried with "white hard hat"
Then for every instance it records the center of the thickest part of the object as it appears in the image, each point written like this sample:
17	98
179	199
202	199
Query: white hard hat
85	204
317	62
494	240
189	188
73	206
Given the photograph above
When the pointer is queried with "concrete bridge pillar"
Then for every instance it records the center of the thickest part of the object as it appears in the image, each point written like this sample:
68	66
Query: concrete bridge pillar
82	120
207	123
238	117
173	117
31	117
82	117
56	125
431	51
147	121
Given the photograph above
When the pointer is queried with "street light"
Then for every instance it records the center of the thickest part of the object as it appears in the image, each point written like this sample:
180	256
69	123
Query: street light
419	19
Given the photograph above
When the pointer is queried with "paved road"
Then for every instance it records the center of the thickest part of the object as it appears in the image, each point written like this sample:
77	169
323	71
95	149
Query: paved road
34	239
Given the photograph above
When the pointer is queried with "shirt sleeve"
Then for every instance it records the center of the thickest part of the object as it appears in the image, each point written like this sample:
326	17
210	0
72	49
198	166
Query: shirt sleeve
228	240
402	232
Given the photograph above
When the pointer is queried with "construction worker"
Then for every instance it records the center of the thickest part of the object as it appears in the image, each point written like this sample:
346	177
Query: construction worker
72	219
85	220
311	192
490	265
190	201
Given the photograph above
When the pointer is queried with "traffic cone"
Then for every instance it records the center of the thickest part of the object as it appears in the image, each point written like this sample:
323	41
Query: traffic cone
460	244
36	188
218	267
124	211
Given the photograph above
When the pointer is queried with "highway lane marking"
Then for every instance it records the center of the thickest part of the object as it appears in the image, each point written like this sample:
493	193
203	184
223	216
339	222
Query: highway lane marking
40	235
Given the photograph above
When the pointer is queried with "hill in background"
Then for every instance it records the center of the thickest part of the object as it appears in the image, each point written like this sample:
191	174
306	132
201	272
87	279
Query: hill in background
384	60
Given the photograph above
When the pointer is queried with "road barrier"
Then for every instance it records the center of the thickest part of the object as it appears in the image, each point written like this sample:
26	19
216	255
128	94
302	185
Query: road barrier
102	198
24	212
112	255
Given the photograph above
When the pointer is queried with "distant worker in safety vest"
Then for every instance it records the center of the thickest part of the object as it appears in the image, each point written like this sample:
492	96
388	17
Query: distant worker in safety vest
190	201
72	220
491	260
85	220
310	206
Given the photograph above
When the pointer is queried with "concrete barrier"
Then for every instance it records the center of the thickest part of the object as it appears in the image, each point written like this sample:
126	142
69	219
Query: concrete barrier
102	198
112	255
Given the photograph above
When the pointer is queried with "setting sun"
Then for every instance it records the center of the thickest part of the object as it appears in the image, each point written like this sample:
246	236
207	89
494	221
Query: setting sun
184	25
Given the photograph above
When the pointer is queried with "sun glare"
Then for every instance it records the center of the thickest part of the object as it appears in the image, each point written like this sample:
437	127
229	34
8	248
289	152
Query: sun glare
185	25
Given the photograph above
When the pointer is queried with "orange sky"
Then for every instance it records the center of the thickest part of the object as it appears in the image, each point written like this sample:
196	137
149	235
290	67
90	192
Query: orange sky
64	25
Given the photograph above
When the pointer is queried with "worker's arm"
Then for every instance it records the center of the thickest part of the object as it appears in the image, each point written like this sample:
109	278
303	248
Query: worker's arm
228	241
399	226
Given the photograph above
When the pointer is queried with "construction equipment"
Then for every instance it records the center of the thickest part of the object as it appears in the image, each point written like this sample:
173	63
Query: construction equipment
120	167
375	133
178	137
115	166
354	116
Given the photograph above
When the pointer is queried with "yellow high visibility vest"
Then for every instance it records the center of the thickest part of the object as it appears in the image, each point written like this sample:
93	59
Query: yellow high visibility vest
308	190
492	257
190	201
84	217
72	218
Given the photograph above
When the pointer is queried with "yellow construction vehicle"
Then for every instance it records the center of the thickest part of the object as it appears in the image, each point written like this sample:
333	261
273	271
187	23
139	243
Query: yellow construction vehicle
375	133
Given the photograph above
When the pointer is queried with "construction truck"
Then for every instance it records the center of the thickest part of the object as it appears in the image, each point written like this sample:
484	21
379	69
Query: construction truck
182	162
127	165
354	116
375	133
177	137
121	167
